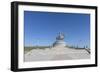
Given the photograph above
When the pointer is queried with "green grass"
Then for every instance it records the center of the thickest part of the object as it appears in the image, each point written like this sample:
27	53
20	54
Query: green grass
29	48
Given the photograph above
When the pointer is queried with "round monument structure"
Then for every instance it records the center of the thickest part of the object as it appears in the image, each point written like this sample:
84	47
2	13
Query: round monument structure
60	41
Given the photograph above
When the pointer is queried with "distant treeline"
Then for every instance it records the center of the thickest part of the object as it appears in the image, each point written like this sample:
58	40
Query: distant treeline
43	47
76	47
36	47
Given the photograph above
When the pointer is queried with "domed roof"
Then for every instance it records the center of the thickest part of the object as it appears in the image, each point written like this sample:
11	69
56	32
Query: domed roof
60	36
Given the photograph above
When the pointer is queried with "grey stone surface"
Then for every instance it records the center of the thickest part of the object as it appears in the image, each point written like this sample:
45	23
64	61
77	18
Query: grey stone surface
56	53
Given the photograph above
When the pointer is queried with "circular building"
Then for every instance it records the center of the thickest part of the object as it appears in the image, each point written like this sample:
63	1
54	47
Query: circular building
59	41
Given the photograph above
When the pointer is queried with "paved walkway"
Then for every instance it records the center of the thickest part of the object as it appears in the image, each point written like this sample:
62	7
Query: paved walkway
56	53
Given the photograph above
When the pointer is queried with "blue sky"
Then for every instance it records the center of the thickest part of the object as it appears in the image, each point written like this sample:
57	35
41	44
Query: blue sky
41	28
